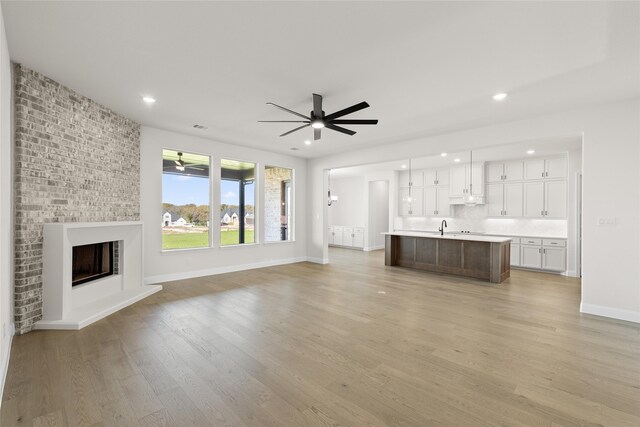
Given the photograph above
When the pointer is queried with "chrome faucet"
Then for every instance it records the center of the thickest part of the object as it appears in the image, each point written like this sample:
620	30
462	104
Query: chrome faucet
443	224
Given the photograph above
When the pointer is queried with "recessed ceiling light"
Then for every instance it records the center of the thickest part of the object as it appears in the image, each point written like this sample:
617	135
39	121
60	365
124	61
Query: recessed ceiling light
531	151
148	99
307	141
456	160
443	154
403	166
499	96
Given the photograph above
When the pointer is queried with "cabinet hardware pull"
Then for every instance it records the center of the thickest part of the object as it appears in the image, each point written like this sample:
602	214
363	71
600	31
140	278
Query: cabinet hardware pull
542	213
553	243
546	174
539	251
546	213
543	174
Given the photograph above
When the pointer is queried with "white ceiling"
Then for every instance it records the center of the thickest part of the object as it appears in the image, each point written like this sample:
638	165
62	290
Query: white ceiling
425	67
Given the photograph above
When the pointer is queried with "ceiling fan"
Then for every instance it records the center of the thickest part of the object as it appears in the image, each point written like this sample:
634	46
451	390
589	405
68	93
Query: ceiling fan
181	165
318	120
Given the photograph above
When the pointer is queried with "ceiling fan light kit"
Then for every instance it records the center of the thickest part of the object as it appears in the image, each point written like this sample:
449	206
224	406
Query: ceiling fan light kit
318	120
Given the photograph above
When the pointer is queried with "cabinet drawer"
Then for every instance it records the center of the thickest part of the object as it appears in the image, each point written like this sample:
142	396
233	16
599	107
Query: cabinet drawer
530	241
554	242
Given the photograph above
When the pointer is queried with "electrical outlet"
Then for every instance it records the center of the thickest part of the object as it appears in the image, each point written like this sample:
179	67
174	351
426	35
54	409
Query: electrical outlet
607	222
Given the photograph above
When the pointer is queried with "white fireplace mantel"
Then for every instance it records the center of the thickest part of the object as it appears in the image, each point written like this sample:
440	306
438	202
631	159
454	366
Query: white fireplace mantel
67	307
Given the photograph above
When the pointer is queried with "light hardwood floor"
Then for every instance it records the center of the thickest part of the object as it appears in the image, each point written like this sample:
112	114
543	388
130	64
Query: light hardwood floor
352	343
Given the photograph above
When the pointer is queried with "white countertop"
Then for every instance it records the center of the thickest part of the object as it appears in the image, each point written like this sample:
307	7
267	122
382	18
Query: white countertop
484	233
467	237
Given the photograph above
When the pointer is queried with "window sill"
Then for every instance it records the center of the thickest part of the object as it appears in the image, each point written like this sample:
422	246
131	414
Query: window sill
276	242
183	250
239	245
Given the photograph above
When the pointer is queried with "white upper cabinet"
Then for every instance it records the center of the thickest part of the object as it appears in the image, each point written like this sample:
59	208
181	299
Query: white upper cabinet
436	201
416	178
436	177
550	168
504	200
459	179
505	171
545	199
555	168
443	206
410	209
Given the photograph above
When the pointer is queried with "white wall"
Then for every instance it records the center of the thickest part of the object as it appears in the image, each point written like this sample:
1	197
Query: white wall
6	206
350	209
611	188
163	266
378	208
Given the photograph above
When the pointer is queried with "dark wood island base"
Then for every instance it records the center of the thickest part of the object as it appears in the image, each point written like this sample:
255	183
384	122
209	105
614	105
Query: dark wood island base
469	256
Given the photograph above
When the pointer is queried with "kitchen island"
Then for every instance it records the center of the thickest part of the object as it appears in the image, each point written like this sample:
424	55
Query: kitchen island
480	257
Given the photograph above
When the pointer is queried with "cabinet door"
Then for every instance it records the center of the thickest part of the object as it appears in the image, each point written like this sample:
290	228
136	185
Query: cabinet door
347	236
530	256
556	167
331	236
495	199
444	206
495	171
554	259
457	181
430	177
442	176
337	238
430	201
478	178
416	202
513	199
534	199
534	169
515	255
555	194
513	170
403	178
358	237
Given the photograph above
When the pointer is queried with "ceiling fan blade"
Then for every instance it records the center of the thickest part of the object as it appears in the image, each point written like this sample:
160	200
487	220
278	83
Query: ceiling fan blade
289	111
283	121
193	167
348	110
339	129
293	130
316	134
355	122
317	105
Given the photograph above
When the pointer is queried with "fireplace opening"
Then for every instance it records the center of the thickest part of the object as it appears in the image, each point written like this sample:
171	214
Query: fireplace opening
91	262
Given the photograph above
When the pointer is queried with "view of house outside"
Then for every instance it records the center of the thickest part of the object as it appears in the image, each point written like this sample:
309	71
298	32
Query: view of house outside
185	200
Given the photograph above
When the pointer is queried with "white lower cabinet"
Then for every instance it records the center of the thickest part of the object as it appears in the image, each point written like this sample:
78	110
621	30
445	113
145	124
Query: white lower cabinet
542	254
351	237
515	254
530	256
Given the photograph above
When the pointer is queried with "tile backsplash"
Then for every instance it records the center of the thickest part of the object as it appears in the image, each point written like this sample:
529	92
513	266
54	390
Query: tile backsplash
474	219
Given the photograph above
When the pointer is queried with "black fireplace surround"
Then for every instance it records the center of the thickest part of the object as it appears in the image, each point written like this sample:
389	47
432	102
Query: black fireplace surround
91	262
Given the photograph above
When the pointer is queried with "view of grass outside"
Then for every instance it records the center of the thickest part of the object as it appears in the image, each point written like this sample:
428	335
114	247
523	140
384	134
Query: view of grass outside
185	200
196	240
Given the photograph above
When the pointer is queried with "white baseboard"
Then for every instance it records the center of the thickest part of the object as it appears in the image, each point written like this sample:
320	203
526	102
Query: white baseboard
614	313
318	260
219	270
6	353
373	248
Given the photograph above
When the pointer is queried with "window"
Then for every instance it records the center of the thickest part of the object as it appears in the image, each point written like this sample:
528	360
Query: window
278	207
185	200
237	202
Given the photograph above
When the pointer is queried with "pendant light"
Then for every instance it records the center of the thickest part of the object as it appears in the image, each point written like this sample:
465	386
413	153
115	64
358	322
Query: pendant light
330	199
408	198
469	199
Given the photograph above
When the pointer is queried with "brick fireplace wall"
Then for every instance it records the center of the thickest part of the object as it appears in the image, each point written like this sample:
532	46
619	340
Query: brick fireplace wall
75	161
